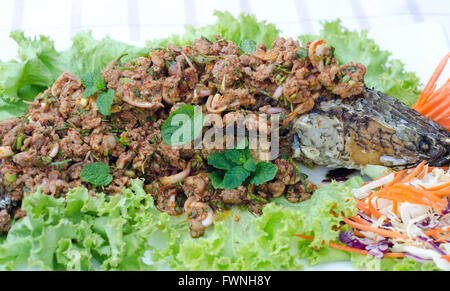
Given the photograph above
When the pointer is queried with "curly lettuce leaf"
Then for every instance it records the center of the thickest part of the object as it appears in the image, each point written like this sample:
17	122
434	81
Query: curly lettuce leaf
82	232
383	73
232	28
242	241
39	65
127	232
90	55
369	263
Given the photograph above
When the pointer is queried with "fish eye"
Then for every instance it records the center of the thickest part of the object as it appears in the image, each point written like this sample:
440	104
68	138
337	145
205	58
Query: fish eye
424	145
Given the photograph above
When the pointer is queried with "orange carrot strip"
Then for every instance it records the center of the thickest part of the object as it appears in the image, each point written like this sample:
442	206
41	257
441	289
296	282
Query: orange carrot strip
442	238
432	82
418	195
374	211
422	173
382	232
397	177
362	207
432	168
335	245
442	192
412	198
394	255
436	100
430	195
395	207
446	257
401	196
349	249
360	220
439	187
415	172
346	248
307	237
437	106
436	231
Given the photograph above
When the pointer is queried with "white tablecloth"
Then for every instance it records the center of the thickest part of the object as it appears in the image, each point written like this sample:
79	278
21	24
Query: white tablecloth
416	31
138	20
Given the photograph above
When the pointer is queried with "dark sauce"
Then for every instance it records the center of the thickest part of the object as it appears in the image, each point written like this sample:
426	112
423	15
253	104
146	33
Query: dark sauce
339	175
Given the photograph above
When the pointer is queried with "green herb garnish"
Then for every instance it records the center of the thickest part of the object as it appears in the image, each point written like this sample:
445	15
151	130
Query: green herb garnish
302	53
301	175
93	83
98	174
125	80
183	125
10	178
105	101
247	46
235	166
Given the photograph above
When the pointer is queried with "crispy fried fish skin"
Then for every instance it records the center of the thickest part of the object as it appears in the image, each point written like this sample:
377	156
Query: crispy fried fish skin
370	129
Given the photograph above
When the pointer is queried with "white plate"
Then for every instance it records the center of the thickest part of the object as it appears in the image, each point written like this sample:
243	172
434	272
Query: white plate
420	46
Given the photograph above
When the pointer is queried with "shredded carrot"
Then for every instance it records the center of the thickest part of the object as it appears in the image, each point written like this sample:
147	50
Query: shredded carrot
359	220
436	231
397	177
382	232
439	187
414	173
399	191
362	206
395	207
443	238
394	255
372	209
422	173
349	249
407	193
402	196
433	196
442	192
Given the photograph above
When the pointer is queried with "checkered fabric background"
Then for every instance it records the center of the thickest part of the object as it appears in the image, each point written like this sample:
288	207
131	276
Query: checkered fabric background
138	20
407	28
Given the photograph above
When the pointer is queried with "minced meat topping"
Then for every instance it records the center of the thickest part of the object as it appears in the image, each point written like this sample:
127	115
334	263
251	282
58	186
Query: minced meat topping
63	131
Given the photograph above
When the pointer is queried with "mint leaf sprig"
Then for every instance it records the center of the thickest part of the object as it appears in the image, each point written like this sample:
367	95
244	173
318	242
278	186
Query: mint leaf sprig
93	82
183	126
98	174
235	166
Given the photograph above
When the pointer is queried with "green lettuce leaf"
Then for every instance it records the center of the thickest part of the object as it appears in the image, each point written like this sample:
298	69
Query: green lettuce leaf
368	263
238	29
257	243
39	65
90	55
82	232
383	73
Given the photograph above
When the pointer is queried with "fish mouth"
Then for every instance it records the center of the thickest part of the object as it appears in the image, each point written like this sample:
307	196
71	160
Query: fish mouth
443	160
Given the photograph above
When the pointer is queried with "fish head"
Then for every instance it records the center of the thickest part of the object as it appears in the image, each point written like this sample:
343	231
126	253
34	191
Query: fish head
374	129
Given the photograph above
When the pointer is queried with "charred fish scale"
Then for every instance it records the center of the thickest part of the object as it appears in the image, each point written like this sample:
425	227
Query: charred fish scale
370	129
